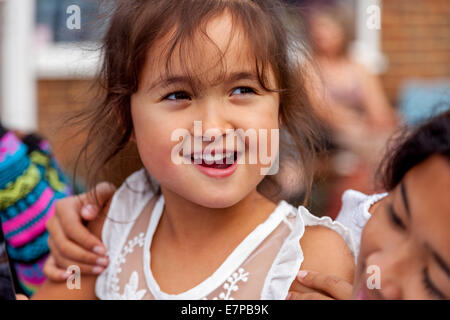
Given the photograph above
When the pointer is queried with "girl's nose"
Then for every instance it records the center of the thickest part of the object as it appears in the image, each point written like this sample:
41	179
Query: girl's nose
214	119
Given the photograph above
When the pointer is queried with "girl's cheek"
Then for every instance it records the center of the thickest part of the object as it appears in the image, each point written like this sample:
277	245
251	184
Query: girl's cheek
154	145
158	163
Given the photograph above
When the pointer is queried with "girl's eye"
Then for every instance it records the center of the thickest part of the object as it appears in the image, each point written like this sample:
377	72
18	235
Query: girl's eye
180	95
243	90
395	218
431	288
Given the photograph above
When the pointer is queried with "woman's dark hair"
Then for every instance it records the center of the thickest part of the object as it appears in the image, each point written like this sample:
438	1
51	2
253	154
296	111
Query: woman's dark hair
136	25
414	147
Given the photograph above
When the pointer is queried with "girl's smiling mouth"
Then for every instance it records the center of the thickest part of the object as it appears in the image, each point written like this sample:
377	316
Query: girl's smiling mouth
216	164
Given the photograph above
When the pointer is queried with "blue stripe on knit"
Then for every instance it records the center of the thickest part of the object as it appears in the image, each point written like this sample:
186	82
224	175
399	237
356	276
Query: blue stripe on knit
12	158
15	168
31	251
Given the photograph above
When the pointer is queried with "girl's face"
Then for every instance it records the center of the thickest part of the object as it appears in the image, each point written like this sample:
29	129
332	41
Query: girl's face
406	242
161	108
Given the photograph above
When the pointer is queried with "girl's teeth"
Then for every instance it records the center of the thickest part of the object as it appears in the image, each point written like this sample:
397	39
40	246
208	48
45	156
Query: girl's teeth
230	158
208	157
211	158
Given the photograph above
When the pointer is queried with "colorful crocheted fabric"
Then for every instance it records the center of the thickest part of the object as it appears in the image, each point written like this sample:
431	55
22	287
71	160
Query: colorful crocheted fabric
30	183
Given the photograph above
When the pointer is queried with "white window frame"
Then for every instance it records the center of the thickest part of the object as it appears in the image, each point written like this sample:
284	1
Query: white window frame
18	86
79	60
367	46
23	64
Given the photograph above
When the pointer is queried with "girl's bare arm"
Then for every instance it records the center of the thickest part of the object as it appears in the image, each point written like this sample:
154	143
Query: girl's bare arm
325	252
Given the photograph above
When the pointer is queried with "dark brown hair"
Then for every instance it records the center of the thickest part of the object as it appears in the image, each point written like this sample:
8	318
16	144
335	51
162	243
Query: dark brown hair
136	24
412	147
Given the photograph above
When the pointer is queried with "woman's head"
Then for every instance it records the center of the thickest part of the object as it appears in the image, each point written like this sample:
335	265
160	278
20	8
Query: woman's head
329	30
407	238
229	64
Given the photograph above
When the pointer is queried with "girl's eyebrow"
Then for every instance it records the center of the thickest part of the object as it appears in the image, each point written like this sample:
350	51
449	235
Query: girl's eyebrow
172	79
243	75
165	82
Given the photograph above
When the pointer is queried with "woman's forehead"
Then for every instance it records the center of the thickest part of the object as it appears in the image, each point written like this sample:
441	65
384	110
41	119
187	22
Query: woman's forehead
427	187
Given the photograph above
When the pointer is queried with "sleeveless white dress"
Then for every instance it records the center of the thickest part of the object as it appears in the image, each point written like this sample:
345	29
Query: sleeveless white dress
262	266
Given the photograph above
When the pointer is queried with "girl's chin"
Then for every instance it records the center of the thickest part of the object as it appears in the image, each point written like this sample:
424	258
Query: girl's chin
211	192
217	201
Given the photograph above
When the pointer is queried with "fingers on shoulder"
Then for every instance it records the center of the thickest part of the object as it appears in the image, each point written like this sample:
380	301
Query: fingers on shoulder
101	194
96	225
328	283
307	296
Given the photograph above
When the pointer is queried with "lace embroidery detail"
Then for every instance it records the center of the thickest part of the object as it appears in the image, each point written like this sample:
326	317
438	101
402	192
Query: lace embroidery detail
231	286
131	287
130	292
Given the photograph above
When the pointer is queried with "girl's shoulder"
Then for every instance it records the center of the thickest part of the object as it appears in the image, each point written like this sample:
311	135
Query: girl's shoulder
312	243
304	225
327	245
128	202
132	195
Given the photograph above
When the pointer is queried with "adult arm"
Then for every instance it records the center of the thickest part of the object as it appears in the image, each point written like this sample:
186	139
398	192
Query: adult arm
60	290
70	240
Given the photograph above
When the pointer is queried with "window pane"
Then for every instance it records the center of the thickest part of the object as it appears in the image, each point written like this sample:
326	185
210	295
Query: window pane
52	17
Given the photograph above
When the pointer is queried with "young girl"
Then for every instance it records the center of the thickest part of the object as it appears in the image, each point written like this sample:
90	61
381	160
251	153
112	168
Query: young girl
403	233
202	229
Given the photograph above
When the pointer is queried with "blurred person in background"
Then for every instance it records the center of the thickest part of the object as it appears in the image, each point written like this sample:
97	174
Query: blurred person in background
351	101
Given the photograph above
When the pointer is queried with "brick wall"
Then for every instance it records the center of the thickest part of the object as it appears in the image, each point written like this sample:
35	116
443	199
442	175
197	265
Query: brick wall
416	41
57	99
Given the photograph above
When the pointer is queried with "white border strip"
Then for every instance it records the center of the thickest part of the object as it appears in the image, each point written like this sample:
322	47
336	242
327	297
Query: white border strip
18	103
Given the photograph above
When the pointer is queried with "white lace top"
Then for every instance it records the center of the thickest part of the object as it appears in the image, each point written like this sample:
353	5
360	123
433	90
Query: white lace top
262	266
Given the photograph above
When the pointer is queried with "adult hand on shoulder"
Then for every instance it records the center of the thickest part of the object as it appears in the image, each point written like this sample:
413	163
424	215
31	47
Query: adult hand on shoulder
324	287
70	242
